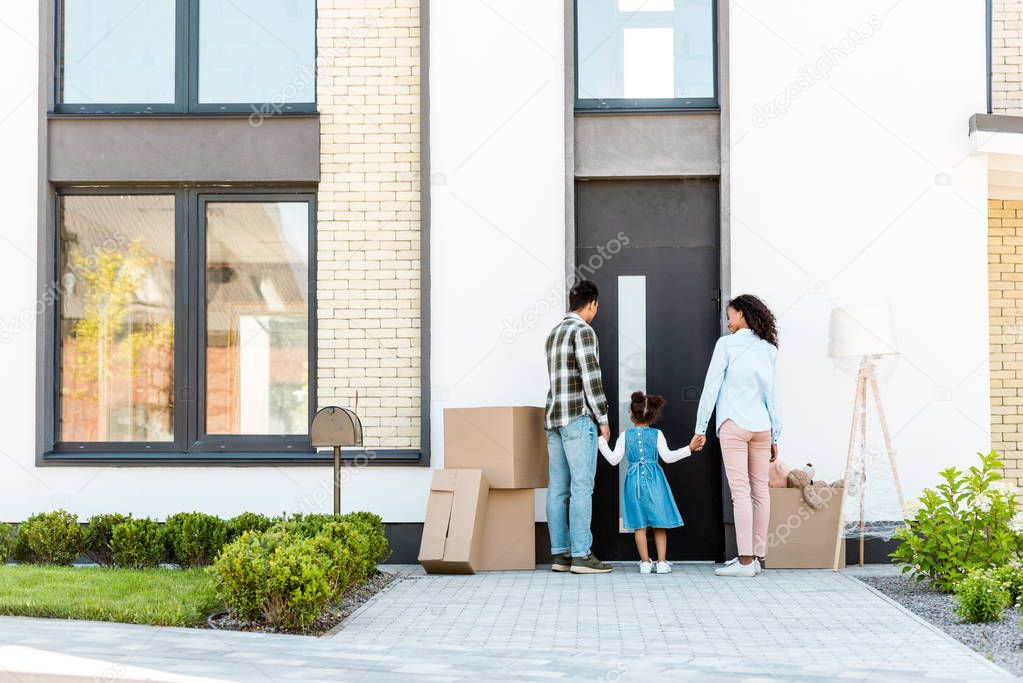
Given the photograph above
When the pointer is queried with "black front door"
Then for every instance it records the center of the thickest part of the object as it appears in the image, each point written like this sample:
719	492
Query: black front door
651	246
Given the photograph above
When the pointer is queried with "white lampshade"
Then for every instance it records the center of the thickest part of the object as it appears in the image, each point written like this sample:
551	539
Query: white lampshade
862	331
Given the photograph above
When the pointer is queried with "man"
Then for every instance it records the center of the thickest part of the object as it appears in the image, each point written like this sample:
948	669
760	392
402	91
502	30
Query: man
575	407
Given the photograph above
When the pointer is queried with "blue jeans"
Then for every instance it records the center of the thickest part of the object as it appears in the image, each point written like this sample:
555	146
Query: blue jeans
573	464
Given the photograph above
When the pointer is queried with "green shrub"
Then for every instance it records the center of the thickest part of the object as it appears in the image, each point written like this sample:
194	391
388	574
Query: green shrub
283	579
98	533
247	521
53	537
361	564
240	573
373	527
305	525
367	523
6	542
194	539
137	544
979	597
967	522
286	575
1010	578
360	533
22	551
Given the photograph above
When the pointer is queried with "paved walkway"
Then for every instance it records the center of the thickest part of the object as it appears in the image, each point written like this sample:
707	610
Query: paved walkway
689	625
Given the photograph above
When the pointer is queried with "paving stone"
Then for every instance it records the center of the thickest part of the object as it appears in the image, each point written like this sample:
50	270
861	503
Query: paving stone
538	626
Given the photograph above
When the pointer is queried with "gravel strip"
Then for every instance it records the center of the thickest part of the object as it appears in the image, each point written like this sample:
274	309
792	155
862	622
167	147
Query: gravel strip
999	641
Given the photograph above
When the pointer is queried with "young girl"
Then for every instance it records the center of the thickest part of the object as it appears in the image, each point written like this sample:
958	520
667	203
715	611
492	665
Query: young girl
647	499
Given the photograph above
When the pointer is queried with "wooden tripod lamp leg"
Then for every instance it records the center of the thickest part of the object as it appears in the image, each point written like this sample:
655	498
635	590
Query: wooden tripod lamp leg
887	441
848	466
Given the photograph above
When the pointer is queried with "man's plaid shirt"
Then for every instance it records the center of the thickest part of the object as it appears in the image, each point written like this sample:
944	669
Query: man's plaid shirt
574	369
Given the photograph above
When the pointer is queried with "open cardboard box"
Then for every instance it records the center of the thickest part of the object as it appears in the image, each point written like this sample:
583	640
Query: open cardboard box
455	516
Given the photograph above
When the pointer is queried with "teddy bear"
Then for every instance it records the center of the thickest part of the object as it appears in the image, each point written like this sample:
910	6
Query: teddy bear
780	476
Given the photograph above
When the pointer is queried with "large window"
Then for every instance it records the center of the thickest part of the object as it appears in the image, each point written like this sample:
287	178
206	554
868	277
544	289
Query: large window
185	322
645	54
180	56
257	317
117	318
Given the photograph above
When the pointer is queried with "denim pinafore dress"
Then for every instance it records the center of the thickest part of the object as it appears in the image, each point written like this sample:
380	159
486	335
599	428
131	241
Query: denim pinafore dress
646	497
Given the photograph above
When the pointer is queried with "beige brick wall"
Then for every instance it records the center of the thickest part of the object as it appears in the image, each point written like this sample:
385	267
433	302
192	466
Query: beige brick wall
1007	57
368	227
1005	282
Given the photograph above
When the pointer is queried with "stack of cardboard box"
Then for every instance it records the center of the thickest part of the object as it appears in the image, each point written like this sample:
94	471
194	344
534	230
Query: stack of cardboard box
481	511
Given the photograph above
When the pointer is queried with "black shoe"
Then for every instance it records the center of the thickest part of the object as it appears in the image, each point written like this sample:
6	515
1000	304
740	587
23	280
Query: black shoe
561	562
589	565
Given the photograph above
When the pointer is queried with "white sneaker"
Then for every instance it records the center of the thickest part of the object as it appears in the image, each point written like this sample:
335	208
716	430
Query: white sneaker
663	568
760	567
733	568
645	567
729	563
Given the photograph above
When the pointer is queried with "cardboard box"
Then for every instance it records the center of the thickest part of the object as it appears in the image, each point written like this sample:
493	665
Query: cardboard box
509	531
453	529
508	443
802	538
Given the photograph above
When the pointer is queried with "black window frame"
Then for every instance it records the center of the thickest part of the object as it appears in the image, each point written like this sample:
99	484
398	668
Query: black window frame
628	105
186	76
190	440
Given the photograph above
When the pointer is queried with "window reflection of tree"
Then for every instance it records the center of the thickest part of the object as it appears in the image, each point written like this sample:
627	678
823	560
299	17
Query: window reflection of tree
118	350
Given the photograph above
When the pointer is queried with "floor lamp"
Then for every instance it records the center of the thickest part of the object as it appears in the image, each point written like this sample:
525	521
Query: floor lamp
865	332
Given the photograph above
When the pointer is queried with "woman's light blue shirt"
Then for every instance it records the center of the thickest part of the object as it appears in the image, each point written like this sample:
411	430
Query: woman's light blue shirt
741	385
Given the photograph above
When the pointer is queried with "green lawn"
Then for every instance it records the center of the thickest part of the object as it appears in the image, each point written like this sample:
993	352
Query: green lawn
166	597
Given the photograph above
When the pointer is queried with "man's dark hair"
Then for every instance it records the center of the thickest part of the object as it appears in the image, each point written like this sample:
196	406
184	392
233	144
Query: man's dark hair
581	295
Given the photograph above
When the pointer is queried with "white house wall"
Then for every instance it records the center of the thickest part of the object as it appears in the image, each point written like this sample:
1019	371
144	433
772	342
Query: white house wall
498	219
859	188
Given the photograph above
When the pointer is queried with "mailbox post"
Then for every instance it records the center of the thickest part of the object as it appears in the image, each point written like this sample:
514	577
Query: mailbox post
336	427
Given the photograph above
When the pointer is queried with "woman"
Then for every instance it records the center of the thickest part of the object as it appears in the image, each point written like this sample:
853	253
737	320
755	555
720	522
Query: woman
741	389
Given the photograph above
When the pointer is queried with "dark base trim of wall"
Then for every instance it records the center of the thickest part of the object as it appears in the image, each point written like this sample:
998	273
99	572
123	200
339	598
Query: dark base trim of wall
404	539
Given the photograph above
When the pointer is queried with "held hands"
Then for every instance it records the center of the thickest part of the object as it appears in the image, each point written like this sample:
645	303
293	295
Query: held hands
697	443
605	432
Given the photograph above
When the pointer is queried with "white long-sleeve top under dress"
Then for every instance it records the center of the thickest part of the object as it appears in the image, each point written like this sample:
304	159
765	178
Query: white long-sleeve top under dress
667	455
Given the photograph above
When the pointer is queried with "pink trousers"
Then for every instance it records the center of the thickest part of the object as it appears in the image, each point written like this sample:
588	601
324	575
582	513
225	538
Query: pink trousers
747	458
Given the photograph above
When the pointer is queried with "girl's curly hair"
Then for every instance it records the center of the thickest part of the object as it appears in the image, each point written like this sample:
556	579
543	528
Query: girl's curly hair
758	316
645	408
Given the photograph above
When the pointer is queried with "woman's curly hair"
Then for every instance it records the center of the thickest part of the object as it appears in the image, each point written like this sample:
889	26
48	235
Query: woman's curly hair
645	408
758	316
